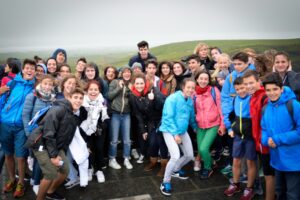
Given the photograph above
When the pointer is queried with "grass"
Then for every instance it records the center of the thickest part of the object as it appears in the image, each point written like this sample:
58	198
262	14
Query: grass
175	51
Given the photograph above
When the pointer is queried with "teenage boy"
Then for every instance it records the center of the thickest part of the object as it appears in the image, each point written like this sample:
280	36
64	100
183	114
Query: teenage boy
143	55
194	64
151	68
58	127
243	143
281	132
12	132
80	66
258	100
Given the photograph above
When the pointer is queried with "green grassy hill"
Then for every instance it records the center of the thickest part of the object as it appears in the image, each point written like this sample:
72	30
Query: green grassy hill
175	51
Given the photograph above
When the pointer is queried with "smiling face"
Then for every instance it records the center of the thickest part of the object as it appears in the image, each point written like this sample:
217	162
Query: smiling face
223	63
215	54
93	91
194	65
51	66
64	71
110	74
139	84
203	52
69	85
251	84
281	64
28	72
76	101
60	58
126	74
39	72
273	91
80	66
203	80
151	70
90	73
239	65
165	70
47	85
241	90
177	69
188	89
144	52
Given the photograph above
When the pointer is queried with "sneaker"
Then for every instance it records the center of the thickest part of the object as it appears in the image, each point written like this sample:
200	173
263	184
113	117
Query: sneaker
242	179
9	186
20	190
54	196
226	170
217	157
248	194
166	189
127	163
258	189
134	154
90	174
72	184
35	189
180	174
206	173
141	159
232	189
114	164
197	165
100	177
226	152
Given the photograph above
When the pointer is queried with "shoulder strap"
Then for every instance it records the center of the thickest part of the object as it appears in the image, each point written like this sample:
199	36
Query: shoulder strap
194	99
263	99
213	94
230	78
289	105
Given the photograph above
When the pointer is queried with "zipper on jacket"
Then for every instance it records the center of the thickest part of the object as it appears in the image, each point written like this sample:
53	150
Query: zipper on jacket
123	99
241	121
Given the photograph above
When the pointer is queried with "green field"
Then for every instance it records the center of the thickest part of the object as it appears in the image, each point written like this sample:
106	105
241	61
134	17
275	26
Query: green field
175	51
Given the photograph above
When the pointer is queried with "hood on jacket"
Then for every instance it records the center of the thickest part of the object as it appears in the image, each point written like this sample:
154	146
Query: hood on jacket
63	102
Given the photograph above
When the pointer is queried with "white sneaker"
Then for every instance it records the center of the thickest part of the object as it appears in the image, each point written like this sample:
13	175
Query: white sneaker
100	177
141	159
90	174
114	164
72	184
127	163
35	189
30	163
134	154
197	165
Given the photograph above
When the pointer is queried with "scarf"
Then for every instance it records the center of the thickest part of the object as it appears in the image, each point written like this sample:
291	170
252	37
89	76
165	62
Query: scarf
200	90
43	95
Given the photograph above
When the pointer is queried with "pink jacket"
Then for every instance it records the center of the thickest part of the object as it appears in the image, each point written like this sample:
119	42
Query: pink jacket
208	114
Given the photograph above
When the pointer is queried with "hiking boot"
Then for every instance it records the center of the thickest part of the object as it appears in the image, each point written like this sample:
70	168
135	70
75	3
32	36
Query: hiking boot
9	186
54	196
20	190
232	189
166	189
151	165
248	194
180	174
206	173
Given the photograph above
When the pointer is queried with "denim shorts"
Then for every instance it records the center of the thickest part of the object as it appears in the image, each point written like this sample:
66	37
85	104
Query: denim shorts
243	148
13	139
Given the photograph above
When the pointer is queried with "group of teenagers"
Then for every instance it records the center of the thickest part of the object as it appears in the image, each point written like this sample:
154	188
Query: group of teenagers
248	104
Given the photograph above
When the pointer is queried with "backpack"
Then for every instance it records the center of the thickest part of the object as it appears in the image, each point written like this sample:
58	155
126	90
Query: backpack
37	118
289	106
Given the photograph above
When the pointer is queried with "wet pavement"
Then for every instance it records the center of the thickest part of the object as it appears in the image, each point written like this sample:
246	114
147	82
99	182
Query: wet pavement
138	184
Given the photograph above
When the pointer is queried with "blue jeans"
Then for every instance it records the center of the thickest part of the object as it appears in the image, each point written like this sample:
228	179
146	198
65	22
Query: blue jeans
287	185
119	122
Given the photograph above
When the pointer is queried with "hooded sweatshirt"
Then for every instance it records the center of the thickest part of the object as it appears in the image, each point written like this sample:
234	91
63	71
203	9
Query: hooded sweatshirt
278	124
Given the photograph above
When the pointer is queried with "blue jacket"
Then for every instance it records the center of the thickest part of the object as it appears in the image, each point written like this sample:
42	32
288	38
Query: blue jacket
11	113
241	109
178	113
285	132
228	92
31	106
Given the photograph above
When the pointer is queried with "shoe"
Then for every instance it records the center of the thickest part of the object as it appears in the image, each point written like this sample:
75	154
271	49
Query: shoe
163	165
100	177
141	159
242	179
166	189
90	174
232	189
197	165
217	157
258	189
55	196
35	189
206	173
20	190
180	174
226	170
134	154
226	152
248	194
213	152
10	186
151	164
127	163
72	184
114	164
31	182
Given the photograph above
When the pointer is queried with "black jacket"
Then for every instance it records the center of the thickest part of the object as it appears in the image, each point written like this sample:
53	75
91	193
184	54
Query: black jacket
59	127
147	111
137	58
293	81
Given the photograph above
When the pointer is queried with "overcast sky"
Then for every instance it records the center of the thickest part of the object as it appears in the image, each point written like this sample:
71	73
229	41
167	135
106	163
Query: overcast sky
34	24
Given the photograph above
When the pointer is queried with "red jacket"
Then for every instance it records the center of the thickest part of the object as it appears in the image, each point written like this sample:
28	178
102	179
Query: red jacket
257	101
